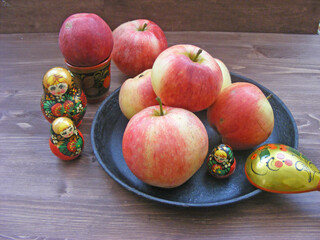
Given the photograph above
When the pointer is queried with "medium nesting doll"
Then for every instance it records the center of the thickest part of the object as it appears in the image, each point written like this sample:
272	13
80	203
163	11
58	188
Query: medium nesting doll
61	97
221	162
66	141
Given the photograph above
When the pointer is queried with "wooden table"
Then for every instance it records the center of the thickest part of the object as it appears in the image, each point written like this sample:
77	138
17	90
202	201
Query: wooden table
42	197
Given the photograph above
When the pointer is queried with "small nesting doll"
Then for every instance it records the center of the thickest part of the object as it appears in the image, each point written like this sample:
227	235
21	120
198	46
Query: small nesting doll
66	141
221	162
62	97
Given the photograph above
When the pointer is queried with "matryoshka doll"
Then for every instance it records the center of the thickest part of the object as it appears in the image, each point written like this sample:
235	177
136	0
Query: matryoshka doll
221	163
66	142
62	97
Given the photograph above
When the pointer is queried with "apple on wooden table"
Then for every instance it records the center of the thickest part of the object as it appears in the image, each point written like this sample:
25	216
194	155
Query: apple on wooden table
137	44
186	76
137	94
164	146
85	40
242	115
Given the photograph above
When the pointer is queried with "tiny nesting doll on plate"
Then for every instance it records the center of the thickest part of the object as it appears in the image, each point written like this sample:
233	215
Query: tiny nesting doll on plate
221	163
62	97
66	141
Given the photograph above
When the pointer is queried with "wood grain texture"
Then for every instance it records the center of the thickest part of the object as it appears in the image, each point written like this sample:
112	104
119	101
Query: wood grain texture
281	16
45	198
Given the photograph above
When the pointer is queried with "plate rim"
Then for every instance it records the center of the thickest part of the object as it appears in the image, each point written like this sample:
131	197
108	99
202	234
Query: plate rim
177	203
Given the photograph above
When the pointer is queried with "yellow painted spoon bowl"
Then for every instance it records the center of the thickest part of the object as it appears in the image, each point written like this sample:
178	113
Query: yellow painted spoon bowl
281	169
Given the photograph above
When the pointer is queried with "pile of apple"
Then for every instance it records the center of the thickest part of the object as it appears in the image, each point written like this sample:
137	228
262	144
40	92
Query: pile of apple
164	145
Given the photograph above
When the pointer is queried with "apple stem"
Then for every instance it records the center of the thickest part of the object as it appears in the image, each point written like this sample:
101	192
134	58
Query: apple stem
196	57
269	96
144	27
160	103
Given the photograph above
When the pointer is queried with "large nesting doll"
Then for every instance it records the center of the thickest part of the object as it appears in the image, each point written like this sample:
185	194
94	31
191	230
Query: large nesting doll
66	142
62	97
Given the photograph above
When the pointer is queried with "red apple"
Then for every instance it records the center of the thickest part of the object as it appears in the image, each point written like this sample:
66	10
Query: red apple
225	74
242	115
187	77
85	40
164	149
136	46
137	94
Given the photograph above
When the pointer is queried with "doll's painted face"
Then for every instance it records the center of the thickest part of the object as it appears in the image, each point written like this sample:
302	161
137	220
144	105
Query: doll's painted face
58	89
67	132
57	84
220	156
